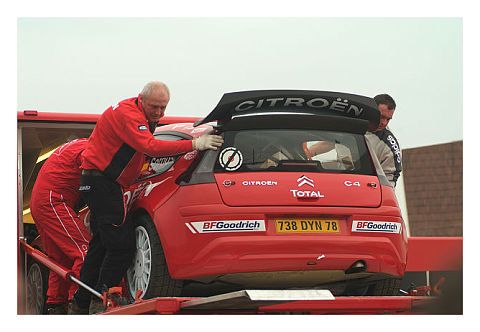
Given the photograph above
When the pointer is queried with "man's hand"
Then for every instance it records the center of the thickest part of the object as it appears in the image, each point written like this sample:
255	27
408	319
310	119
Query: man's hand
207	141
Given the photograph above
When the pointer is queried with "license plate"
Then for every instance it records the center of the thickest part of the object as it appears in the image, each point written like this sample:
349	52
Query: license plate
307	226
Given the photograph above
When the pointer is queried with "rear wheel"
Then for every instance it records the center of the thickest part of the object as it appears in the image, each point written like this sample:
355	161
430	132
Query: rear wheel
37	283
385	287
149	271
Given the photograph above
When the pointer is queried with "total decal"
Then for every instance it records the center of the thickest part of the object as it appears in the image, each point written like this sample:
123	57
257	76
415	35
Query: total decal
305	182
376	226
225	226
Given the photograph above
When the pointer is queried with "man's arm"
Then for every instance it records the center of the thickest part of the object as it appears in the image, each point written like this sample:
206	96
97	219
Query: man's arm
318	148
136	134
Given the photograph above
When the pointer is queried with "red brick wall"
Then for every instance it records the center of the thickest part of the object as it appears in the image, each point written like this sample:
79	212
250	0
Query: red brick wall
433	178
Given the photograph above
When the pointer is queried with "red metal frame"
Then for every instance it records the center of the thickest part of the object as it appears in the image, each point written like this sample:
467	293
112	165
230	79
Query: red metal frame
30	115
164	306
354	305
45	260
345	305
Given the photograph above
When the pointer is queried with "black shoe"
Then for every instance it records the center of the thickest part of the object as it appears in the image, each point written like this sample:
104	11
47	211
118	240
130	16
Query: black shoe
120	300
75	309
96	306
57	309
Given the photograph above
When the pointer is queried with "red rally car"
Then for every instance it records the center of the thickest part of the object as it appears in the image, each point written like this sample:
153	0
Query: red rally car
295	198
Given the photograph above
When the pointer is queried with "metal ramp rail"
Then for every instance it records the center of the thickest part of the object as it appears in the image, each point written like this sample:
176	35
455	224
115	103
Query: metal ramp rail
311	301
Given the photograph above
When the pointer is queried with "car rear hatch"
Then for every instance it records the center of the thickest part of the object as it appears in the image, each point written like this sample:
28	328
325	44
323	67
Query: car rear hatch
296	166
293	148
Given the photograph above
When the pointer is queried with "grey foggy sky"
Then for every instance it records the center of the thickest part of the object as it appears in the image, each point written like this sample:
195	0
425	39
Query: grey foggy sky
85	65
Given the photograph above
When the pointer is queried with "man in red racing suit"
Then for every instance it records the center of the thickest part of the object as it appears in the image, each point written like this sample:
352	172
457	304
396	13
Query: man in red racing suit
112	160
64	236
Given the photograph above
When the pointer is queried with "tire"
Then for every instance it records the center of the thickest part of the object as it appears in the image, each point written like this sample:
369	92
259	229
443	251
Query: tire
37	284
149	270
385	287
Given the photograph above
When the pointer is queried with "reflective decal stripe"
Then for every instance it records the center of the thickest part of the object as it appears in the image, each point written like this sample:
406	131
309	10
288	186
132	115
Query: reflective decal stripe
84	247
191	228
124	205
73	219
61	222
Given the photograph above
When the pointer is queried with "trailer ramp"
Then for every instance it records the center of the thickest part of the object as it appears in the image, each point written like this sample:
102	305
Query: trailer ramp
311	301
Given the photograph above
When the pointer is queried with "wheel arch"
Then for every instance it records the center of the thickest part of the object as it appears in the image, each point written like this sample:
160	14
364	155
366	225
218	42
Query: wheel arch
140	212
144	212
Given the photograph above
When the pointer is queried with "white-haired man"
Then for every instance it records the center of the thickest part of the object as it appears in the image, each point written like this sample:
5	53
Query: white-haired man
112	160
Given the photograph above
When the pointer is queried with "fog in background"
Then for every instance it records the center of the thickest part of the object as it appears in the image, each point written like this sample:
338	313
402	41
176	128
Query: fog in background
83	65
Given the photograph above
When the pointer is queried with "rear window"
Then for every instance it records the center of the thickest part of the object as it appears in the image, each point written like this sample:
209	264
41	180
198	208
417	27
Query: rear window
292	150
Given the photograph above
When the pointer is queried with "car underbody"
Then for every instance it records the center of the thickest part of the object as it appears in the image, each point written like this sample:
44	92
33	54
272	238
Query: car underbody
337	281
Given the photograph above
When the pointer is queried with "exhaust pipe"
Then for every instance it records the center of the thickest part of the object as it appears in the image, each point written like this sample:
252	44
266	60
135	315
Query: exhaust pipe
358	266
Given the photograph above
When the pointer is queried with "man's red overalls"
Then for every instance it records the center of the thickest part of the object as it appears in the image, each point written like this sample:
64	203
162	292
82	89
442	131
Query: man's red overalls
54	197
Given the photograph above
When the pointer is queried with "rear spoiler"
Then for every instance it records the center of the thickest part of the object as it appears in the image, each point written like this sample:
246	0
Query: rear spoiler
294	101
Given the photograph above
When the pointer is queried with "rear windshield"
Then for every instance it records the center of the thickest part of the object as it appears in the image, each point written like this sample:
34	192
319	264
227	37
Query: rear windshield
292	150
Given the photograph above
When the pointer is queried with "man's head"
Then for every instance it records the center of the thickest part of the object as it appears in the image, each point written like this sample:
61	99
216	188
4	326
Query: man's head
386	105
154	99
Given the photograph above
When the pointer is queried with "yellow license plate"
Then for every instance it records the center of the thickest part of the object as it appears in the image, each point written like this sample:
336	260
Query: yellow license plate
307	226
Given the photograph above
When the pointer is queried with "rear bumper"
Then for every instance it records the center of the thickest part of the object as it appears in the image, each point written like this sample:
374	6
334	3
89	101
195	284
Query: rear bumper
191	254
239	254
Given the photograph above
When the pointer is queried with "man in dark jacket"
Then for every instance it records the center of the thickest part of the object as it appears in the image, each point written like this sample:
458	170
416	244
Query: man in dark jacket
112	160
384	143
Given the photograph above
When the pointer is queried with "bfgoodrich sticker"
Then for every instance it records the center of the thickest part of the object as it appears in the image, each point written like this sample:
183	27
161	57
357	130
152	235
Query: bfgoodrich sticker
221	226
376	226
